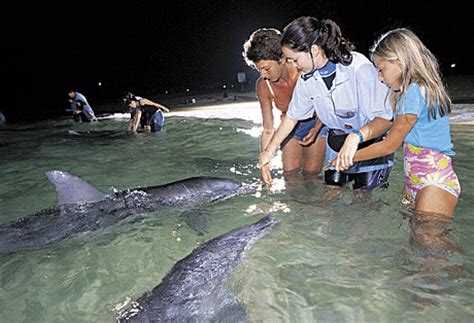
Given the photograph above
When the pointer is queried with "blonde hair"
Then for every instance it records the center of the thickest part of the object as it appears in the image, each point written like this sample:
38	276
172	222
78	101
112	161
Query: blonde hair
418	66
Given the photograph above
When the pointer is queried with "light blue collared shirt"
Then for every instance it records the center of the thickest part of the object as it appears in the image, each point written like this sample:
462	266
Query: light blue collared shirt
355	98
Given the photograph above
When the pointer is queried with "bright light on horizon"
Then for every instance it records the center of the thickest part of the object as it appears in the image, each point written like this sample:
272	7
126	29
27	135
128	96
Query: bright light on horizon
242	110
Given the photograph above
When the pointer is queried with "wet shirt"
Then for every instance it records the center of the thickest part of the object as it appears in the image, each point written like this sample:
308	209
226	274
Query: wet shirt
355	98
427	132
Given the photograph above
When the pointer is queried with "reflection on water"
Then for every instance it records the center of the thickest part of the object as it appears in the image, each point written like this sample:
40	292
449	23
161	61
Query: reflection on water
334	257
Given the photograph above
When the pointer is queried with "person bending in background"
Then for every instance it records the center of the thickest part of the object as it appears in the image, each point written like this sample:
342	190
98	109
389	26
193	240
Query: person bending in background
341	87
421	105
144	112
302	148
81	109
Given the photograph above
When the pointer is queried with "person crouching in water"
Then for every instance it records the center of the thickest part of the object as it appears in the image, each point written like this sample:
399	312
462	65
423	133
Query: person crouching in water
81	109
145	112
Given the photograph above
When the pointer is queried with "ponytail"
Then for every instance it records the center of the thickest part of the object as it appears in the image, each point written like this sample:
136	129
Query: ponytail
304	32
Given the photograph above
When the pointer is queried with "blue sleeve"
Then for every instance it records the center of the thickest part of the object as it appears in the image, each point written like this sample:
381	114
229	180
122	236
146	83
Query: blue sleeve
412	102
81	97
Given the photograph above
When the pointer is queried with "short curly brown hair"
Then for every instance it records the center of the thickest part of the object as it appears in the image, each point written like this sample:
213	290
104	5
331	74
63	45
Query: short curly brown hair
263	44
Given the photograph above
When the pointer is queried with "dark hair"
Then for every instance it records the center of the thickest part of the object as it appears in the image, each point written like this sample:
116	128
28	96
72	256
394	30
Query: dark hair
303	32
128	97
263	44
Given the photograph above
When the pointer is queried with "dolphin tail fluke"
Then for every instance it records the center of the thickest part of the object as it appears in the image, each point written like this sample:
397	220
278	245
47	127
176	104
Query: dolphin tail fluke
72	189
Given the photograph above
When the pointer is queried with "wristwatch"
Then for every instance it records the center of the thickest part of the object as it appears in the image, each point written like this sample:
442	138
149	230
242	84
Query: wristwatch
360	135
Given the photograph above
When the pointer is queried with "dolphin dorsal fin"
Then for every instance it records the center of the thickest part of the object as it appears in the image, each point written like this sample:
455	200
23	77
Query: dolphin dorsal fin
72	189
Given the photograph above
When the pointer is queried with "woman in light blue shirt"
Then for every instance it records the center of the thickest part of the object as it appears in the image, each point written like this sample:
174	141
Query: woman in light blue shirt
341	87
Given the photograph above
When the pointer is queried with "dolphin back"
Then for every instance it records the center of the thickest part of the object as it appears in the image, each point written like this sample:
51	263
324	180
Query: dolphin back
71	189
196	190
194	289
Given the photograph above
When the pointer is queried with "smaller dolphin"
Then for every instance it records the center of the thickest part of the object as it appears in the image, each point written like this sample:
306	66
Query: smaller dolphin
194	289
81	207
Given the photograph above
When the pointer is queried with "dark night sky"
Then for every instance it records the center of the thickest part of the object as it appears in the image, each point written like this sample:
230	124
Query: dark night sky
149	47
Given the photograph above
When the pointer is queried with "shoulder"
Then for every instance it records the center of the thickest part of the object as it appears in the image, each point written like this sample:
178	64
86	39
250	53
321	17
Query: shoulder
362	66
412	100
80	96
414	94
262	87
414	90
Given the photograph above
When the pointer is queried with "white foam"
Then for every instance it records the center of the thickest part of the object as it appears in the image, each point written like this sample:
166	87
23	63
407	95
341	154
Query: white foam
119	116
462	114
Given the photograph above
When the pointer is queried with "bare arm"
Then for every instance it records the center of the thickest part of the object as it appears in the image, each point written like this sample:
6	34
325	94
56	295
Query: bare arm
135	121
373	129
268	130
286	126
390	144
149	102
267	115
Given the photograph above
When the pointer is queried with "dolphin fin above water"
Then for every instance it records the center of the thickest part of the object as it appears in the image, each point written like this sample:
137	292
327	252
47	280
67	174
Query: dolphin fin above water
72	189
81	207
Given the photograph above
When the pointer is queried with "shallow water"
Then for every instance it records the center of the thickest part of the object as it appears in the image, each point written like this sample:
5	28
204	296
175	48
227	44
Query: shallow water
347	260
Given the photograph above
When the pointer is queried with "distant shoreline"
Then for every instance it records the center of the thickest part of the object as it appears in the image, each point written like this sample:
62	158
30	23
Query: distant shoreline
460	88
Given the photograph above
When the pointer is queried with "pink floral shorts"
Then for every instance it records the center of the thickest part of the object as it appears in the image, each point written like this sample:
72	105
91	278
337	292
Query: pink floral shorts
425	167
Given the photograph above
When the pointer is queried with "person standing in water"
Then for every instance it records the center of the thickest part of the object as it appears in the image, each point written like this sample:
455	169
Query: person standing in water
421	105
144	112
341	87
81	109
301	149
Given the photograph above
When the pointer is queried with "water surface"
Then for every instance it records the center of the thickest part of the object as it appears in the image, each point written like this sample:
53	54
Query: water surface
344	260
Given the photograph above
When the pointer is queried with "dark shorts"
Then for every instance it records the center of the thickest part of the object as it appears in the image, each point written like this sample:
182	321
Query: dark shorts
365	181
300	131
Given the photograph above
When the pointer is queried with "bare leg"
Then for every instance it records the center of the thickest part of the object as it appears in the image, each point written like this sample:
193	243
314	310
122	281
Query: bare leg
313	156
292	156
292	160
433	199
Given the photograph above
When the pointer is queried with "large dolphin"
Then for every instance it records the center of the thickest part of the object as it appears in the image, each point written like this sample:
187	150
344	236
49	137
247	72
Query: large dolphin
194	289
81	207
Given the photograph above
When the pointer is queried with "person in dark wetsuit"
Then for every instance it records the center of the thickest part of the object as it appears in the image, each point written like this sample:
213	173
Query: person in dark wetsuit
144	112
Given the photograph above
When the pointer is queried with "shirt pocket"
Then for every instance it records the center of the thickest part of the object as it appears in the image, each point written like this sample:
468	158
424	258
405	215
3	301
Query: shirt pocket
344	103
344	110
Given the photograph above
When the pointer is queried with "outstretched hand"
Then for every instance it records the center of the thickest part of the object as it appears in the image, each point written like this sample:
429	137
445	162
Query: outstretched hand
266	175
264	162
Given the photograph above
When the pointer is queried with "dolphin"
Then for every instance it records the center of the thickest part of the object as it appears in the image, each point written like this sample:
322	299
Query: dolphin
194	289
81	207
